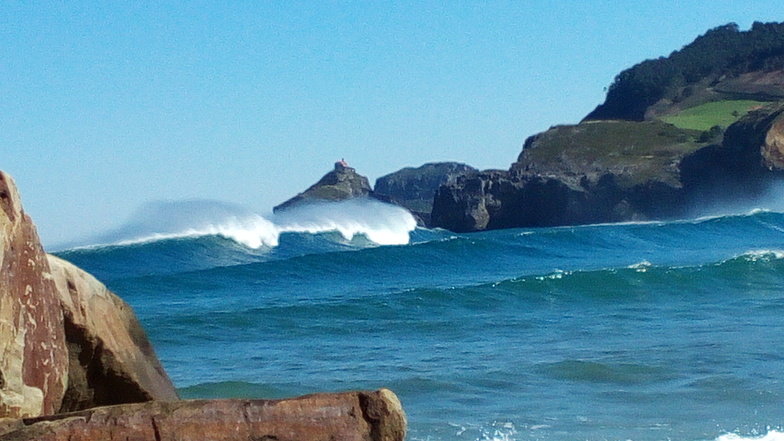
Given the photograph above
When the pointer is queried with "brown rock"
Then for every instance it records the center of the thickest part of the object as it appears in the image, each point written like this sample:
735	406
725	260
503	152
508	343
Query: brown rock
33	355
111	359
772	150
350	416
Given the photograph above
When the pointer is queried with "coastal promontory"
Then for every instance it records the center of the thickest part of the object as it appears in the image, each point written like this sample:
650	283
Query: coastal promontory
676	135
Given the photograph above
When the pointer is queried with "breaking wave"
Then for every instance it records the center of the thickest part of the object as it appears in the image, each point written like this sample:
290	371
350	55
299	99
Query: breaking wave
380	223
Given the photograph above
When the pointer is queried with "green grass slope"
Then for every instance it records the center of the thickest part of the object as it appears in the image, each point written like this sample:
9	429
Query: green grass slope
718	113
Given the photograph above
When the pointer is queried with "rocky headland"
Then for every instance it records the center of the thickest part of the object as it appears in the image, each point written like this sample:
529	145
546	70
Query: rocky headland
675	135
76	365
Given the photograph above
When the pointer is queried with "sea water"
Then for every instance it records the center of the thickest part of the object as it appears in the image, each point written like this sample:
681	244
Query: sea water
643	331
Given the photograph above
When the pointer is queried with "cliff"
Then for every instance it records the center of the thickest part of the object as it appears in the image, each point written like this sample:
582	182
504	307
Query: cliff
598	172
414	188
699	127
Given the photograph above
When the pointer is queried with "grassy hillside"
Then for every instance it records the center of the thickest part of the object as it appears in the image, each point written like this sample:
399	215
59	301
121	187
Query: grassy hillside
719	113
722	52
635	151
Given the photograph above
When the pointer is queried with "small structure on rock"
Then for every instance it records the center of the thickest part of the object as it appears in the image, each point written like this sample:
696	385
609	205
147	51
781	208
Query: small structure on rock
342	183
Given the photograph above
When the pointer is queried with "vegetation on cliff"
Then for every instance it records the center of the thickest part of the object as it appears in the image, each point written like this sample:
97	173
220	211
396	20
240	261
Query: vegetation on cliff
719	55
697	128
709	115
635	152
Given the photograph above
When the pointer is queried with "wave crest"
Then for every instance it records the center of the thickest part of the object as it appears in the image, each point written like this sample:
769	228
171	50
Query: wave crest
770	436
380	223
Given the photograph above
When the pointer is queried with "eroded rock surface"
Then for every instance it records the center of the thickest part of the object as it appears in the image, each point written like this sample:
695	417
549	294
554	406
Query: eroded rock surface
415	188
350	416
33	355
111	361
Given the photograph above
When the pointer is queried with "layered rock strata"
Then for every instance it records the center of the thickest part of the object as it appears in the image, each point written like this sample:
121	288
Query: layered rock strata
350	416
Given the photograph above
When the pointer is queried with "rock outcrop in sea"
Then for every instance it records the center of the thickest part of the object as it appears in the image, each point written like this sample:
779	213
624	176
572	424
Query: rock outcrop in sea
410	188
414	188
340	184
76	365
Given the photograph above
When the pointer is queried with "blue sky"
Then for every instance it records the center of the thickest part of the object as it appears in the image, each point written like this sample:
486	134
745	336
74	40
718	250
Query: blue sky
109	105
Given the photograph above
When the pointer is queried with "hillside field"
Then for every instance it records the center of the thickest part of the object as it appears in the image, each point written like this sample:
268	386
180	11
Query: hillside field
717	113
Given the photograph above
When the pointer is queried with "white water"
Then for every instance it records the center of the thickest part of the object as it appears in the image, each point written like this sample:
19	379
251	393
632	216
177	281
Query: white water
381	223
770	436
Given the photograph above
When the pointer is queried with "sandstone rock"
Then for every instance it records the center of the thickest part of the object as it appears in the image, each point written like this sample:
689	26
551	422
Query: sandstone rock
111	361
350	416
340	184
33	354
414	188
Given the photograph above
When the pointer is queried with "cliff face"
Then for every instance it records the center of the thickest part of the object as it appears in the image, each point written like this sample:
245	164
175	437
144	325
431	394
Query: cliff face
33	353
414	188
504	199
602	172
340	184
637	155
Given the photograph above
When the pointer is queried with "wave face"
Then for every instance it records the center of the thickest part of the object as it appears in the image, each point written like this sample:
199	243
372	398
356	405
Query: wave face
649	331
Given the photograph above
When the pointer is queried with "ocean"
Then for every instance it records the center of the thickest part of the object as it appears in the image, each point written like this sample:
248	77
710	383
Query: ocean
638	331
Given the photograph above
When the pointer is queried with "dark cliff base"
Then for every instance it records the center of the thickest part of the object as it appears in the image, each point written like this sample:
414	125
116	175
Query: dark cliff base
601	172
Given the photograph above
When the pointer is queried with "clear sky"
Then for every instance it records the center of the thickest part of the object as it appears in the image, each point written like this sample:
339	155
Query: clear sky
108	105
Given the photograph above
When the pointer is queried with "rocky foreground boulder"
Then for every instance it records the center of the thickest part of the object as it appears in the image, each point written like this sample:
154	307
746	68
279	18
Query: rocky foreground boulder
76	365
67	343
33	352
111	361
350	416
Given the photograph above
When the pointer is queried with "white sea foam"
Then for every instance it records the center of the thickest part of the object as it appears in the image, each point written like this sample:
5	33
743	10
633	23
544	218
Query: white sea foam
641	267
380	223
770	436
761	255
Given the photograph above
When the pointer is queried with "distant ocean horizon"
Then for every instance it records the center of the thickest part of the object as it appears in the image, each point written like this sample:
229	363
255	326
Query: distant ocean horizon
636	331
